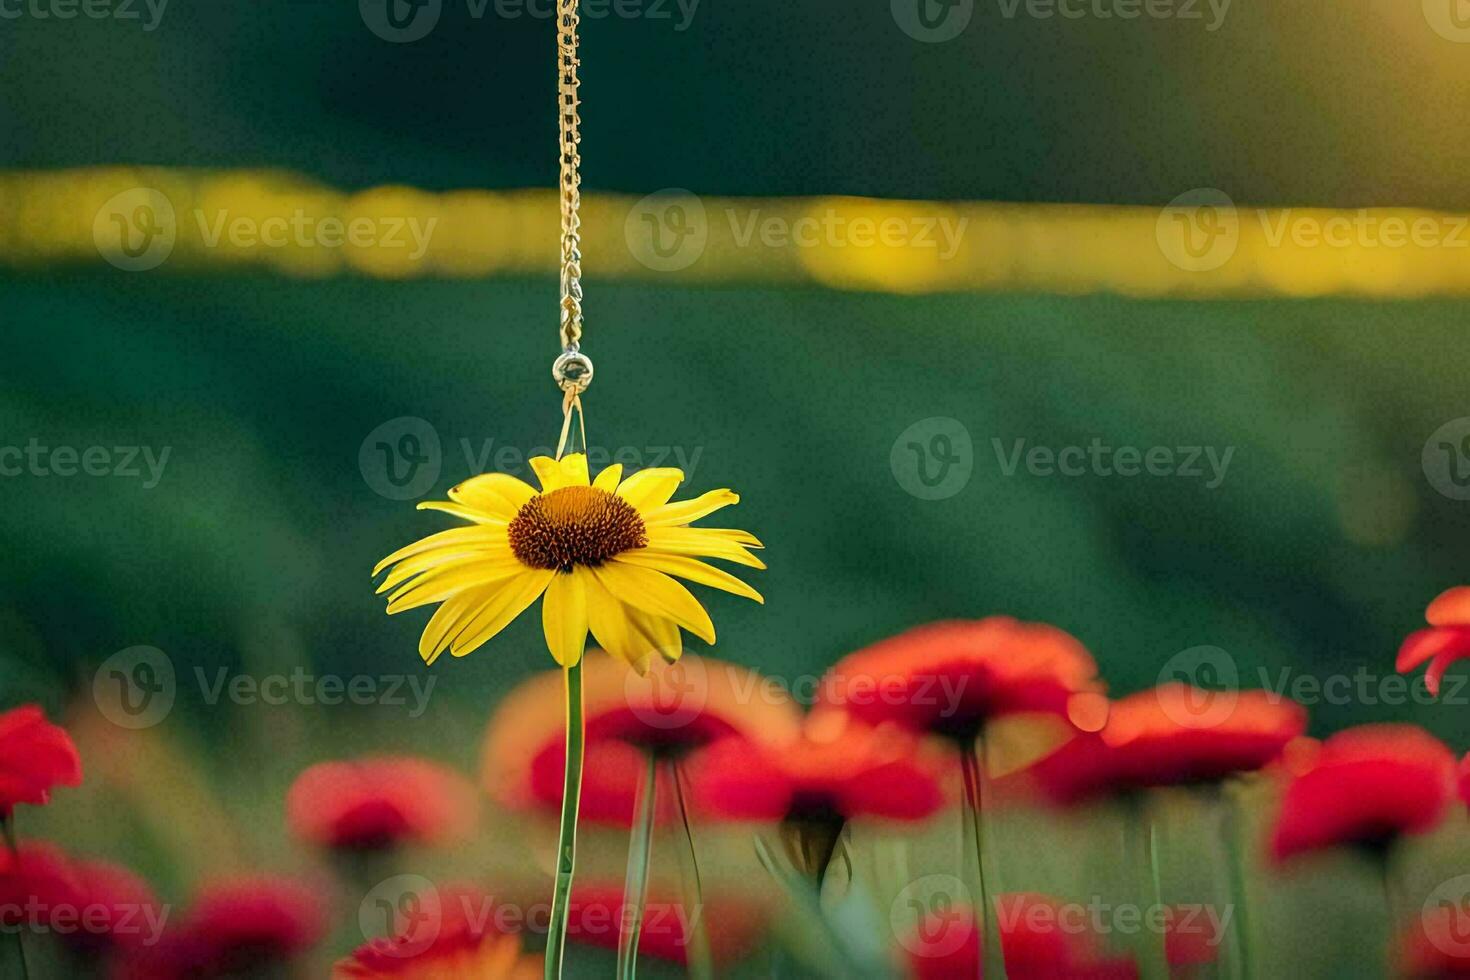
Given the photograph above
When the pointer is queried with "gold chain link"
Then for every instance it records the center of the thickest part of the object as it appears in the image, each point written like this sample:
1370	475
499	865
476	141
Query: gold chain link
571	176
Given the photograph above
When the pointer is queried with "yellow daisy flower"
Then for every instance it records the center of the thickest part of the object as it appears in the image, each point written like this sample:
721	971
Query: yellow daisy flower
604	554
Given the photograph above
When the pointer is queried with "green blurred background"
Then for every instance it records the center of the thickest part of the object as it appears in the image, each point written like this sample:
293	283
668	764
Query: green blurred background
1314	555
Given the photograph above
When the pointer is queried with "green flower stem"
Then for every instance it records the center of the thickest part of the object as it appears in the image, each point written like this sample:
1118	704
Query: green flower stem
1153	959
566	845
635	881
701	964
7	827
1235	857
973	770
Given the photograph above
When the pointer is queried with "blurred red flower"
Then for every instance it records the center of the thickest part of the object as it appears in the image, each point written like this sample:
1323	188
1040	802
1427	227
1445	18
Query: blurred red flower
1435	945
35	756
1171	734
1446	640
838	767
89	904
1040	938
674	711
1365	785
838	770
595	918
460	940
949	678
380	802
234	926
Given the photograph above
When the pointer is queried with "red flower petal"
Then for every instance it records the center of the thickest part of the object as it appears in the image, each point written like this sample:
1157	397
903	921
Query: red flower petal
379	802
1159	738
950	677
35	756
1451	608
1365	784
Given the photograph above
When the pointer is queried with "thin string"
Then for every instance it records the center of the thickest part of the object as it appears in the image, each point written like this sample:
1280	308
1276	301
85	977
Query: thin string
571	402
568	20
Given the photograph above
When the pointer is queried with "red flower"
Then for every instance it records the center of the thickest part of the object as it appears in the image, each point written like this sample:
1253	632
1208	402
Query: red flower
1364	785
675	710
375	803
1446	640
1041	938
1464	781
837	768
457	940
1172	734
235	926
949	678
35	756
89	904
1436	945
595	917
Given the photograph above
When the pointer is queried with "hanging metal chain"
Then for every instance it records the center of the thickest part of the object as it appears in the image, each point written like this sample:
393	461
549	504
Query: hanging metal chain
573	369
567	22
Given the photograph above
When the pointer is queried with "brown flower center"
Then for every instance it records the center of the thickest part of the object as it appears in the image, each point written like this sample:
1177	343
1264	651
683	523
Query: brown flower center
575	526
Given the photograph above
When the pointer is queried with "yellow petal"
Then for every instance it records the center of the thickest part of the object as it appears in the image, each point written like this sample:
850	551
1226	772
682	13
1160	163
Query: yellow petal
437	585
655	635
689	511
655	592
455	537
467	513
419	564
651	488
608	623
548	472
564	617
700	543
574	470
449	619
498	494
512	600
609	477
692	569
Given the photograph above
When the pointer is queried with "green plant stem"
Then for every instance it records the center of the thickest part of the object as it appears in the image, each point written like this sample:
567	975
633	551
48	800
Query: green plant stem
566	844
992	956
701	965
1154	956
1229	831
7	827
635	881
